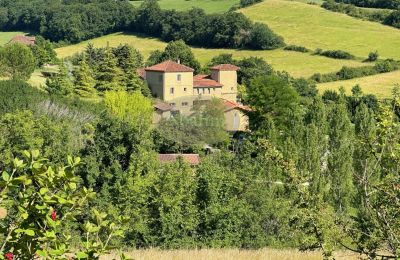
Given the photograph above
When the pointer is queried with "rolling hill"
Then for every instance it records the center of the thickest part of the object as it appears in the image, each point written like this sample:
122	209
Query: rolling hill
297	64
210	6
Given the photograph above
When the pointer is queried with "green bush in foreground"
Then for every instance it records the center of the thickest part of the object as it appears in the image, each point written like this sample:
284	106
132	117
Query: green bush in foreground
36	202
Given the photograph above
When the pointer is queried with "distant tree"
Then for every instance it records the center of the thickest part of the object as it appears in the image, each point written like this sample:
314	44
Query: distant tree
16	61
84	81
176	51
43	52
272	95
263	38
107	74
60	83
305	88
373	56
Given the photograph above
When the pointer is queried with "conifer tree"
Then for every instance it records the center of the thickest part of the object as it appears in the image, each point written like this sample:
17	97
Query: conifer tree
60	83
108	75
84	82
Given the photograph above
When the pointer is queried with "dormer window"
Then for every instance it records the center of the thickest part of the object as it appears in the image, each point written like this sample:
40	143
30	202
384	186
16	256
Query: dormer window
178	77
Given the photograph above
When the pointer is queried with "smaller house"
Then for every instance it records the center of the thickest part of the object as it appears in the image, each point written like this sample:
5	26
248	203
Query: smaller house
192	159
26	40
161	110
236	119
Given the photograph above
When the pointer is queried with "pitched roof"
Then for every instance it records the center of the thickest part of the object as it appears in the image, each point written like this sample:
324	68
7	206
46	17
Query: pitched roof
169	66
205	81
23	39
229	105
225	67
193	159
160	105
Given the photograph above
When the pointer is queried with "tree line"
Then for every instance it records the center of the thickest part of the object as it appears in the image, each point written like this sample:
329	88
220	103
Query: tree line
75	21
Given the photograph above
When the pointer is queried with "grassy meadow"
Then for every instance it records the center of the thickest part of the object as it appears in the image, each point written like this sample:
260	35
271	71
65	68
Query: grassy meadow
210	6
296	63
230	254
380	85
314	27
5	37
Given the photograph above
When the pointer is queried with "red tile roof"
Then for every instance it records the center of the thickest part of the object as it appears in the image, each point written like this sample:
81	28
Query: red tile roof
205	81
169	66
229	105
160	105
24	40
225	67
193	159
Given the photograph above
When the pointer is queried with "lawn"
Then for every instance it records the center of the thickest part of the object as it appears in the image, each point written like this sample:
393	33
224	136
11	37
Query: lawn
5	37
380	85
314	27
210	6
297	64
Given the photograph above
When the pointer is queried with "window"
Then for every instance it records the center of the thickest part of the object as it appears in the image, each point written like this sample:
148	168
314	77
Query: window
172	104
178	77
171	91
184	89
198	91
209	91
184	104
160	77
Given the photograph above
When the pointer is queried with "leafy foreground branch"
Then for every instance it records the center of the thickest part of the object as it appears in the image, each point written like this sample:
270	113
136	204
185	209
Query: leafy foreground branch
36	202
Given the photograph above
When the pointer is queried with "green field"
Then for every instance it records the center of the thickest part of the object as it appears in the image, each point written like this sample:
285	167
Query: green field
380	85
314	27
297	64
5	37
210	6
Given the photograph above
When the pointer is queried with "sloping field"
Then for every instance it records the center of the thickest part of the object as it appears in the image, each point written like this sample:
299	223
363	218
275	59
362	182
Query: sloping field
314	27
5	37
380	85
297	64
210	6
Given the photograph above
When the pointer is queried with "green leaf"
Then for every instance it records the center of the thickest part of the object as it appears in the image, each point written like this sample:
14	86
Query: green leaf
5	176
35	154
41	253
43	191
29	232
25	215
81	255
72	185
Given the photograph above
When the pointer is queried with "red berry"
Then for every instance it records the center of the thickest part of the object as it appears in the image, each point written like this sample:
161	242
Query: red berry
54	215
9	256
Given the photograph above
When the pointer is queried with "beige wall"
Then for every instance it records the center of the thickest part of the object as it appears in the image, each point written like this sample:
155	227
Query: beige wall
229	81
183	87
236	120
210	92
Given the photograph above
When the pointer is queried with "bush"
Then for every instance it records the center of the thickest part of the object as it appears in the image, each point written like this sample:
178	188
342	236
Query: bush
336	54
373	56
296	48
263	38
393	19
244	3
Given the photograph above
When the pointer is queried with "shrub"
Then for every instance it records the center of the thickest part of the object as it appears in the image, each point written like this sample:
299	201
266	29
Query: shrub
263	38
393	19
244	3
336	54
386	66
373	56
296	48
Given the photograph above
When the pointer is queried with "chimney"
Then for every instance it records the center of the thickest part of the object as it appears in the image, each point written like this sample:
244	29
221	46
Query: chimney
179	61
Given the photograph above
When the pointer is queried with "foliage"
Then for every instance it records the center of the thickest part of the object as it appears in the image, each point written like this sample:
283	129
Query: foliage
393	19
373	56
39	201
244	3
60	83
43	52
84	82
337	54
389	4
296	48
16	61
176	51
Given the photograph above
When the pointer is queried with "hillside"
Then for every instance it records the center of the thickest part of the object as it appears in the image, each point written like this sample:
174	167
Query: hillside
210	6
297	64
314	27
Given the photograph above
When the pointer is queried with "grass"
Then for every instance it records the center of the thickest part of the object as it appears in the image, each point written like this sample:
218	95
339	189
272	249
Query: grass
297	64
210	6
5	37
230	254
380	85
314	27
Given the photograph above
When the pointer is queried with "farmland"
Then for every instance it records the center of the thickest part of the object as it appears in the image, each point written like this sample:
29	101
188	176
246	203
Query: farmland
210	6
297	64
314	27
380	85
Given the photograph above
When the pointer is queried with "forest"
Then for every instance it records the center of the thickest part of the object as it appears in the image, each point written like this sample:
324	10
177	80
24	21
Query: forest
79	167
